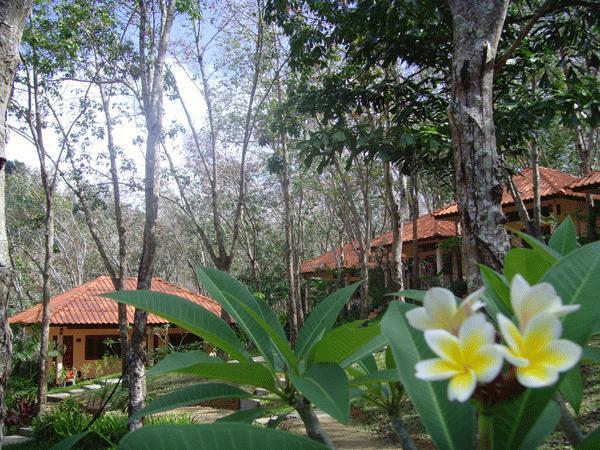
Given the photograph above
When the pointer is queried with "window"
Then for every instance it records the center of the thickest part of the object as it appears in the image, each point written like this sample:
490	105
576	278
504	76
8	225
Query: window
98	346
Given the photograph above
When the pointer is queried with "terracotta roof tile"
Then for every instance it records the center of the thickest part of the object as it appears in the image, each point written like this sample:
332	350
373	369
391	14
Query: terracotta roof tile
552	183
427	228
588	183
84	305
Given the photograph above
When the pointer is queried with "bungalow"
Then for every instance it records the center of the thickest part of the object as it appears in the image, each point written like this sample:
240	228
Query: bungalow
83	323
561	195
558	198
431	236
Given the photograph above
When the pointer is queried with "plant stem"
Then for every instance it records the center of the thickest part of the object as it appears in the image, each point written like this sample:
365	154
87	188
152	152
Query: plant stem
568	424
314	430
405	439
485	428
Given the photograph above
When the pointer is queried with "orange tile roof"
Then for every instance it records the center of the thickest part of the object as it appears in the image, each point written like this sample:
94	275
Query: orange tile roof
84	305
427	228
588	183
552	183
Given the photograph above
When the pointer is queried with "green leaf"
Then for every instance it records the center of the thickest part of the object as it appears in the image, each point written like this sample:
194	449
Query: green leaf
497	292
414	294
382	376
322	319
70	442
176	361
545	424
450	424
253	374
548	254
191	395
526	262
515	418
564	239
245	415
576	278
347	344
216	436
188	315
571	388
591	441
326	386
235	298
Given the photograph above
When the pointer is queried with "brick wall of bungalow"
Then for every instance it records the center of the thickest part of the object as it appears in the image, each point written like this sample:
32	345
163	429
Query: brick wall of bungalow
79	336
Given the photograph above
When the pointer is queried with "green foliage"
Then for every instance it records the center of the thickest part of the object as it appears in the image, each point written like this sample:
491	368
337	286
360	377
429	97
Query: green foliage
218	436
312	371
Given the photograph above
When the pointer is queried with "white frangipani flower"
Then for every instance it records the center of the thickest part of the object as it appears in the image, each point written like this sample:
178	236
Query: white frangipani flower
529	301
538	354
465	360
440	312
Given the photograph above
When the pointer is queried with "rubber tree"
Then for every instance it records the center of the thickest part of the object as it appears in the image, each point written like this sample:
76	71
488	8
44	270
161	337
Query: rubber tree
154	38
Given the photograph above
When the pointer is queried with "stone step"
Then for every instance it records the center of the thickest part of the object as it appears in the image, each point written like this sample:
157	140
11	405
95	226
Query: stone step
14	439
76	391
26	431
91	387
58	397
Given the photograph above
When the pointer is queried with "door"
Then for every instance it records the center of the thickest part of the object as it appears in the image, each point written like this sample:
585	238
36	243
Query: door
68	354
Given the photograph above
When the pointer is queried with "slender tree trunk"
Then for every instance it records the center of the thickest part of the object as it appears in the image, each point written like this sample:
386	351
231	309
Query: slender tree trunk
42	388
12	20
152	76
119	280
394	207
313	427
521	208
400	428
414	217
536	224
293	302
477	26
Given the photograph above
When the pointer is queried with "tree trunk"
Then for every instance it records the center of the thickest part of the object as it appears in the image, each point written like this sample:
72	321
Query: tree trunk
42	388
152	76
585	165
536	224
477	25
414	216
313	427
12	20
400	428
394	207
119	280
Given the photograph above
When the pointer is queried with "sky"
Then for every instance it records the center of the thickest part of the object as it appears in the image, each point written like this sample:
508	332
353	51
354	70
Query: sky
21	149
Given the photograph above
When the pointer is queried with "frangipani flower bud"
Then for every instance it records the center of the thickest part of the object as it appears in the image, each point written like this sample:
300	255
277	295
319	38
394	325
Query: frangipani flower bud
465	360
440	312
529	301
537	353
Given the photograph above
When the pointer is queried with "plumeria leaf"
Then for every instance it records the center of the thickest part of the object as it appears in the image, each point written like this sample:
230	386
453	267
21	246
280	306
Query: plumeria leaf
526	262
546	422
414	294
572	388
564	238
322	318
576	279
216	436
497	292
591	441
544	252
326	385
450	424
